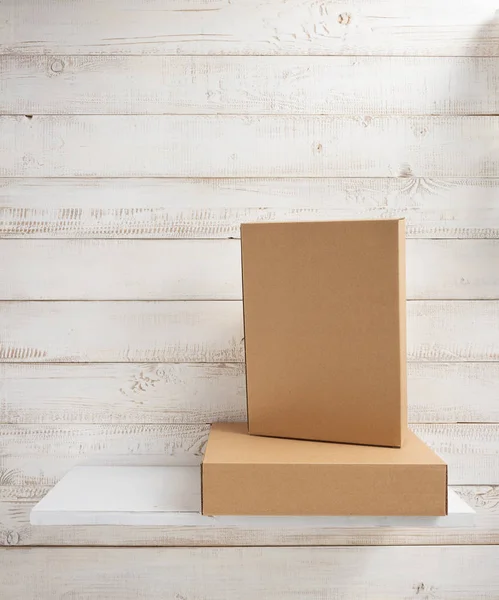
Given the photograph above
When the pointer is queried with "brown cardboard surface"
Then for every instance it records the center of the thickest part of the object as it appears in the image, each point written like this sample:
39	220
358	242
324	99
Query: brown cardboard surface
245	474
324	320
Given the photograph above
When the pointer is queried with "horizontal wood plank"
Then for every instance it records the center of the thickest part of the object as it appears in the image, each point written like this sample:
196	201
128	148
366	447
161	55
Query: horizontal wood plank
126	393
248	146
442	573
413	27
211	270
15	529
212	331
194	393
122	270
466	449
452	270
215	208
453	392
41	454
121	331
248	85
452	331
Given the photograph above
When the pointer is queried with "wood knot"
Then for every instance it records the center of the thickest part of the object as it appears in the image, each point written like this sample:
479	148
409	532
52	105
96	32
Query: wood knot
406	170
316	148
12	538
57	66
344	18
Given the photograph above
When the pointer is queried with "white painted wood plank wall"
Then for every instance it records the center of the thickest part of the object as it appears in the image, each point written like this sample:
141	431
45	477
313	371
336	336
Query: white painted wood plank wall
246	573
135	137
241	27
248	146
306	85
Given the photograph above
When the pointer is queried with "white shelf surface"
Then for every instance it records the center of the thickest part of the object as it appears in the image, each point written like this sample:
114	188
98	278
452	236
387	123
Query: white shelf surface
171	496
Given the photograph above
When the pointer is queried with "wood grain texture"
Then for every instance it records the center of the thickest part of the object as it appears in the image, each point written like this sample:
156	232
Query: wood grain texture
37	455
121	332
465	448
248	85
215	208
41	455
206	393
453	392
369	573
452	270
15	528
452	331
248	146
211	270
122	270
211	331
414	27
128	393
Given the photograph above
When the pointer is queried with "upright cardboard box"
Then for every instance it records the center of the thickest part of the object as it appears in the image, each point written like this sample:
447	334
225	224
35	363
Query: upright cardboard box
324	321
252	475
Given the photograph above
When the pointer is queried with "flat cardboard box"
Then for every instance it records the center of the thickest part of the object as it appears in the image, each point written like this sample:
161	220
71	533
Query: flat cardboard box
324	321
245	474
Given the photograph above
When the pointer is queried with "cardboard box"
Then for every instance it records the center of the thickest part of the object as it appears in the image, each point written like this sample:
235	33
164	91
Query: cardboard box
324	320
245	474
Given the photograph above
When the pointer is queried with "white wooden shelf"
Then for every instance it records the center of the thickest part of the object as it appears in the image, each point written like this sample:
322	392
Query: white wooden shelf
171	496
